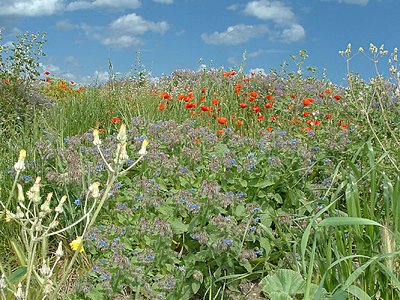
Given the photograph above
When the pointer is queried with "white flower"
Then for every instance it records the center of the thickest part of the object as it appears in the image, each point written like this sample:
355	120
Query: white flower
121	137
94	189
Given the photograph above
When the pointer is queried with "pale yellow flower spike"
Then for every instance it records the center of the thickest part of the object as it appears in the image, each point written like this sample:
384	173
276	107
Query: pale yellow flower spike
76	243
96	138
20	164
142	150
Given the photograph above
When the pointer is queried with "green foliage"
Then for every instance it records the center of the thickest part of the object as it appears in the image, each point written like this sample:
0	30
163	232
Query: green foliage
300	201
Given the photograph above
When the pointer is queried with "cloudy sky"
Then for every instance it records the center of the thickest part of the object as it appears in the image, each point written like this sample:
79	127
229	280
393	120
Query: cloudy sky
188	34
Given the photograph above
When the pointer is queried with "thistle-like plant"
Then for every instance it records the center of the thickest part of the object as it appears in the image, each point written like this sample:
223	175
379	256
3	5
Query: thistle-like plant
37	220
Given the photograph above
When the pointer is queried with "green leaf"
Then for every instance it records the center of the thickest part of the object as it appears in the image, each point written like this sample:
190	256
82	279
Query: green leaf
264	183
195	286
178	227
359	293
280	296
339	221
17	274
287	281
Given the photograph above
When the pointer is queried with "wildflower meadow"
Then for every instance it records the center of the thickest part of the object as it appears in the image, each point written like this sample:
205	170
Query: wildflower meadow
210	184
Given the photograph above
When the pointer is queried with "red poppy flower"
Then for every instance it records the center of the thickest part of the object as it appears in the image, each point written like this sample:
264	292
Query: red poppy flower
254	94
161	106
328	116
243	105
190	105
47	73
273	118
246	79
306	113
203	90
220	131
256	109
182	97
268	105
238	86
6	81
328	91
48	79
293	96
215	102
270	98
222	120
337	97
72	82
269	129
205	108
239	122
251	99
308	101
260	118
115	120
165	95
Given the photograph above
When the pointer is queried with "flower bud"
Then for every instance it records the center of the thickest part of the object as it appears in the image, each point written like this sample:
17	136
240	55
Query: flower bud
94	189
34	192
20	164
121	156
21	197
59	252
121	137
96	138
59	209
142	150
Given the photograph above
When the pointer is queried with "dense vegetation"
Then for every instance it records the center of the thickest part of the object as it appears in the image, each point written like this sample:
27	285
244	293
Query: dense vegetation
258	186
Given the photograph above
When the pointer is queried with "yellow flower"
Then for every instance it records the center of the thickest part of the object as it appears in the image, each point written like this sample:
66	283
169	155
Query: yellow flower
142	150
77	243
20	164
96	138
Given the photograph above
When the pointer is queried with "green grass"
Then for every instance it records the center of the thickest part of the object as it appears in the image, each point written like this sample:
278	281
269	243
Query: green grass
299	201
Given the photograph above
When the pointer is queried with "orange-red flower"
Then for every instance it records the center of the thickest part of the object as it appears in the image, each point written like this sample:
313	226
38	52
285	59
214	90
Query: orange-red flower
256	109
48	79
182	97
203	90
328	91
337	97
161	106
260	118
222	120
306	113
273	118
115	120
215	101
47	73
239	122
251	99
205	108
246	79
6	81
254	94
190	105
269	129
268	105
270	98
220	131
328	116
165	95
308	101
243	105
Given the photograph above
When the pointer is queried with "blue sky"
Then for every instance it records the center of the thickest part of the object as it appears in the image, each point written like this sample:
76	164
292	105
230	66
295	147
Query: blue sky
186	34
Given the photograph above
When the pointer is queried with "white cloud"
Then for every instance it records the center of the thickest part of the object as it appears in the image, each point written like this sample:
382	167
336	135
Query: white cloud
257	53
235	35
270	10
107	4
122	41
135	25
30	8
287	29
164	1
293	34
233	7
